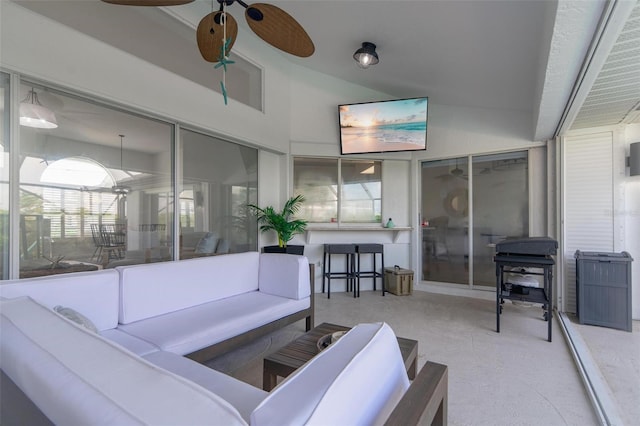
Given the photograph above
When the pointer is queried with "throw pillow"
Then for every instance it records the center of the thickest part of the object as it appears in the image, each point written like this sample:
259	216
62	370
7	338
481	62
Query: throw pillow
207	243
75	316
223	247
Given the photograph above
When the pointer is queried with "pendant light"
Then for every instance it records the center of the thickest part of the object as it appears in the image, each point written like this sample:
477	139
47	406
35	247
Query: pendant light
33	114
117	188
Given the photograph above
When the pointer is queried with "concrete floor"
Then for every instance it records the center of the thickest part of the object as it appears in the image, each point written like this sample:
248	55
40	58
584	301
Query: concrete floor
614	357
514	377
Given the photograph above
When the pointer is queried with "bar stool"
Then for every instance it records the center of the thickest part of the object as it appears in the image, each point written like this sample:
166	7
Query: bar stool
372	249
349	274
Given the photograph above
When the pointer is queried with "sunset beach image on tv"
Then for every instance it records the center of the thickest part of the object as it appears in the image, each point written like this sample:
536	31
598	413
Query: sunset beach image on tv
385	126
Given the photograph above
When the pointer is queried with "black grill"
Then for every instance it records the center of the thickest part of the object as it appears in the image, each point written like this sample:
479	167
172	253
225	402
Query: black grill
532	246
519	255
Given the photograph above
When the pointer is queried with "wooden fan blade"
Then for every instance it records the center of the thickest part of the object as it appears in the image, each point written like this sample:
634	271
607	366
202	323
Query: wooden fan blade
279	29
210	35
148	2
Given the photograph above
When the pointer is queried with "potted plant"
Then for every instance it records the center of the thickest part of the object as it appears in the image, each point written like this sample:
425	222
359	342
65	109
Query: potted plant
281	222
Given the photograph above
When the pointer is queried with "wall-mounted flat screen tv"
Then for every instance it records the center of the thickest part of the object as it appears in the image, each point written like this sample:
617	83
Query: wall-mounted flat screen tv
384	126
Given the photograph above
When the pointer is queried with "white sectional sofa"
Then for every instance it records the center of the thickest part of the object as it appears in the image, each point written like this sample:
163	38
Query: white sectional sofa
130	368
198	307
189	307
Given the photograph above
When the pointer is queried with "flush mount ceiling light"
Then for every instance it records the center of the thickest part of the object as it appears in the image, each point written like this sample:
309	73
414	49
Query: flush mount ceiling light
33	114
366	55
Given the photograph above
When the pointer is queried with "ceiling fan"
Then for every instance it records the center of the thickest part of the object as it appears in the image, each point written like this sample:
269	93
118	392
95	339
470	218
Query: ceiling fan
456	172
269	22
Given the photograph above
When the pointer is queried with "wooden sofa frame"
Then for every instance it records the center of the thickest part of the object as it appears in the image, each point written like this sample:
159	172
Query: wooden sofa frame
424	403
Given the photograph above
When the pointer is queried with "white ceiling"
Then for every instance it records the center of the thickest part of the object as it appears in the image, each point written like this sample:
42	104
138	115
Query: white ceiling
522	55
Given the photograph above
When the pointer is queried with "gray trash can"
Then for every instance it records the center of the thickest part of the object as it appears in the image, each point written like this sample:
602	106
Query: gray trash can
603	289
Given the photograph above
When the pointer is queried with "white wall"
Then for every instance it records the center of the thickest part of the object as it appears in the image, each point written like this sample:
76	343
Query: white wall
615	226
630	214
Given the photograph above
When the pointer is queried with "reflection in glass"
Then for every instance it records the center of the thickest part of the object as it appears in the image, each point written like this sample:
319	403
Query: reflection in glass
4	175
317	180
445	224
361	191
500	208
219	179
71	217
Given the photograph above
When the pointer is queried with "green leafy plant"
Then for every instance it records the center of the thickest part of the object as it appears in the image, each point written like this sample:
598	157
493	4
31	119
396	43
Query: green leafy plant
281	222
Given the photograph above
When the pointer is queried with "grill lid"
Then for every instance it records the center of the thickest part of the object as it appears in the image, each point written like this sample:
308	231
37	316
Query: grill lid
540	246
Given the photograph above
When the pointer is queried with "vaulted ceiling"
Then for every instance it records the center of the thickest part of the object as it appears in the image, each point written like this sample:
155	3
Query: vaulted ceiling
565	63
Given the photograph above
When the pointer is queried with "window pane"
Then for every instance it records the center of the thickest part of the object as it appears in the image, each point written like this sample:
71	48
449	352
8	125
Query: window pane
500	208
219	179
361	191
317	180
96	191
445	224
4	176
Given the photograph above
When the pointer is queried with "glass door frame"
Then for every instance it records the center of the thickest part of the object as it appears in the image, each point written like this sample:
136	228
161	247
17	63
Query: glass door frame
417	256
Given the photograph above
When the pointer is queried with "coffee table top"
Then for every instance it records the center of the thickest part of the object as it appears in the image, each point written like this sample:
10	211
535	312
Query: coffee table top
302	349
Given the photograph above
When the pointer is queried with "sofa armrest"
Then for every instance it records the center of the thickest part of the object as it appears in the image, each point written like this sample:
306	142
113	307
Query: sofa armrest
425	402
284	275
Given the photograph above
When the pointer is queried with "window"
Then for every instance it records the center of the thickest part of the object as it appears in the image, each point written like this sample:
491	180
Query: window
97	191
4	175
357	199
219	179
361	191
102	174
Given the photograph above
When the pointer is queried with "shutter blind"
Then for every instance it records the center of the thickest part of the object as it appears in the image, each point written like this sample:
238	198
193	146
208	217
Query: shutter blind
588	202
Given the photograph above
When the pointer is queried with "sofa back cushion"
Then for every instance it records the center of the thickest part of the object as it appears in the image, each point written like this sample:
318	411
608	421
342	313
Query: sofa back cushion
77	377
285	275
154	289
357	380
93	294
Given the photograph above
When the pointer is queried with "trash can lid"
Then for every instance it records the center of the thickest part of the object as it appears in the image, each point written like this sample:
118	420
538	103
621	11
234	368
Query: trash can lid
603	256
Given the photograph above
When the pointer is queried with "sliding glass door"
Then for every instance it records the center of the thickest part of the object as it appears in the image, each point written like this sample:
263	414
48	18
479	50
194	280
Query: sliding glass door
445	221
467	205
500	208
4	174
96	191
218	180
95	186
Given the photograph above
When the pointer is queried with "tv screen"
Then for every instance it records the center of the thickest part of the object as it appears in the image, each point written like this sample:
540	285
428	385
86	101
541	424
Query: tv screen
384	126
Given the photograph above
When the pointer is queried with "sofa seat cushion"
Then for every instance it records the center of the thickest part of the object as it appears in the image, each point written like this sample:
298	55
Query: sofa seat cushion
357	380
189	330
93	294
129	342
155	289
244	397
75	376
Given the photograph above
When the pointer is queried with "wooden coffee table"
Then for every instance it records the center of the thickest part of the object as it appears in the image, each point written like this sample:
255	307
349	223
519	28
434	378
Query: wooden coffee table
292	356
